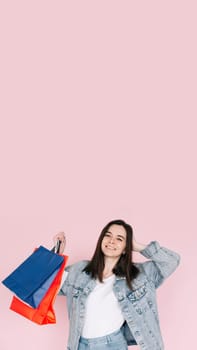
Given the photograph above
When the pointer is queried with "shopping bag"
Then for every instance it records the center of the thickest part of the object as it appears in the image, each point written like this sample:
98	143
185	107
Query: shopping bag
44	313
39	294
31	280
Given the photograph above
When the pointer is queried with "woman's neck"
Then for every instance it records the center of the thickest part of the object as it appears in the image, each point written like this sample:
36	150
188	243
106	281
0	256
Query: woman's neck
109	265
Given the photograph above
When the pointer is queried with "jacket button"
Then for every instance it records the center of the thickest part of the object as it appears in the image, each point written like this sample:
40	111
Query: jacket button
120	297
86	290
139	311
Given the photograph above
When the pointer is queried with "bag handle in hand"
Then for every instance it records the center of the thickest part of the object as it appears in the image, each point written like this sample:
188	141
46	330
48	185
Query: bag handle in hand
56	248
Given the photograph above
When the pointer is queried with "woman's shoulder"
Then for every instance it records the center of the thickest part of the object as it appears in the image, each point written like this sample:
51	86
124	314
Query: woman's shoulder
77	266
140	273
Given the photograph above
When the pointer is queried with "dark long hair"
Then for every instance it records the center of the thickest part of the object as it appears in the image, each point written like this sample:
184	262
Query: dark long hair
124	266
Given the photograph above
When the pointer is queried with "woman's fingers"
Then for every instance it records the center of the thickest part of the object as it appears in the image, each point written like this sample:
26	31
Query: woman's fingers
60	236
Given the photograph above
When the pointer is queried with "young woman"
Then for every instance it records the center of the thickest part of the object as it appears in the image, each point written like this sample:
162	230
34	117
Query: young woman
112	300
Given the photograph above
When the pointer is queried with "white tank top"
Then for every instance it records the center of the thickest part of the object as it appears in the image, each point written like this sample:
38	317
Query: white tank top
103	314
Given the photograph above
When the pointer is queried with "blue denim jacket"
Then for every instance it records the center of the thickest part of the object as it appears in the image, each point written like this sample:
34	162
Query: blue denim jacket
139	306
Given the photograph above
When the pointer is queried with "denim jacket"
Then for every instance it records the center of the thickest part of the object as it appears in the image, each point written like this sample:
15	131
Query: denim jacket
139	306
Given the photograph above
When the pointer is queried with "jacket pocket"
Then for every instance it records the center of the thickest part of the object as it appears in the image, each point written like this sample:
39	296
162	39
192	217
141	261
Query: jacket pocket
138	294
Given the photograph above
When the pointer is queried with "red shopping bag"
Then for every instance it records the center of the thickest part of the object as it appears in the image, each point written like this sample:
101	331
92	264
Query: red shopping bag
44	312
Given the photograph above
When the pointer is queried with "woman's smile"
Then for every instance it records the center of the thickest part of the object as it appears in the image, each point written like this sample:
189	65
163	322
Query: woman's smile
110	247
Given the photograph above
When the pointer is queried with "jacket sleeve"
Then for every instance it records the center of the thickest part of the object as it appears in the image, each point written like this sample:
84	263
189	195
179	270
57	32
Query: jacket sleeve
62	288
70	275
163	262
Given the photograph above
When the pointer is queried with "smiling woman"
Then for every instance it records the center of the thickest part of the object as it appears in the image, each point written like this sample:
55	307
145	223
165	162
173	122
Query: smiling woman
113	253
110	298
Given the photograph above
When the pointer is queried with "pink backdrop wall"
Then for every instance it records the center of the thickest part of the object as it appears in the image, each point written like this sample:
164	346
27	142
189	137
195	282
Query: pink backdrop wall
98	121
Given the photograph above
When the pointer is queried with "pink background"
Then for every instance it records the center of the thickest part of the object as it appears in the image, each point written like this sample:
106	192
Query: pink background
98	122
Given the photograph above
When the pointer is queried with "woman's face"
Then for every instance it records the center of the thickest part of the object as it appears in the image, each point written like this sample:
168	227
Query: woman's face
114	241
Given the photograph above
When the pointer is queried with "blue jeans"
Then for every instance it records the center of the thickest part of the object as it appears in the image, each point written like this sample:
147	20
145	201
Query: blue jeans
113	341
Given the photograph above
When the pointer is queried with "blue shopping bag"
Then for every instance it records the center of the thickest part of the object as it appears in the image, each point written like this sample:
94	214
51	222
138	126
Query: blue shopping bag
31	280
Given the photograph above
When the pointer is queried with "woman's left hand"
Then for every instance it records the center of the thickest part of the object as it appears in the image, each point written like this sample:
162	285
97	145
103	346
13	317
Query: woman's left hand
137	247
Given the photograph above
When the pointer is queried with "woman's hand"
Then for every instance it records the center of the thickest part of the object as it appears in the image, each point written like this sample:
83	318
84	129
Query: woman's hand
137	247
62	238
